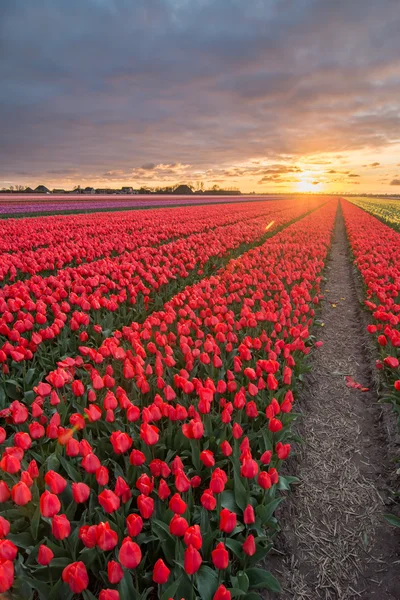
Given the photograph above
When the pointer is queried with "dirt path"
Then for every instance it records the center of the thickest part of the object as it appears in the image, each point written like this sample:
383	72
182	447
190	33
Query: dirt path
336	544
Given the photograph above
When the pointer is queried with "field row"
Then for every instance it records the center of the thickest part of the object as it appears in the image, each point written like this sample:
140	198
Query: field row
154	457
51	243
386	210
43	318
376	250
37	204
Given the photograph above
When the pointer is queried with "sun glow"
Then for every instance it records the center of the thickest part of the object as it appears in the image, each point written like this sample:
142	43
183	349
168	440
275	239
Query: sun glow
309	182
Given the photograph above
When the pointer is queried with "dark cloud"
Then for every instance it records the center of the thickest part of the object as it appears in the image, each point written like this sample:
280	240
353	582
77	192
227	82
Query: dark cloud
353	175
109	85
395	182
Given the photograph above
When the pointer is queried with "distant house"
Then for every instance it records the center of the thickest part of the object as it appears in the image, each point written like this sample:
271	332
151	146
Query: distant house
183	189
41	189
58	191
28	190
126	190
89	190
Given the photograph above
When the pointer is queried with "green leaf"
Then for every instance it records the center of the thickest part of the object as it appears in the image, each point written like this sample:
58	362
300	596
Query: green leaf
126	587
207	582
241	495
23	540
243	581
35	523
88	595
29	376
236	592
235	546
228	501
392	519
161	529
252	596
171	589
70	470
39	586
265	512
260	579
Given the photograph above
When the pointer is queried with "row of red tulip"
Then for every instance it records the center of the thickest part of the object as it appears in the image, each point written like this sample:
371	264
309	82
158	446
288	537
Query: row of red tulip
154	459
43	311
54	242
376	250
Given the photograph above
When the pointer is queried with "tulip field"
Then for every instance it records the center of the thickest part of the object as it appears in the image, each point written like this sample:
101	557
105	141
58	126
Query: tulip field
376	250
150	365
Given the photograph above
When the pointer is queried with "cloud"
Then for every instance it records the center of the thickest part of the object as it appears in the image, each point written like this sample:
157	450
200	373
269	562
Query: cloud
203	83
395	182
353	175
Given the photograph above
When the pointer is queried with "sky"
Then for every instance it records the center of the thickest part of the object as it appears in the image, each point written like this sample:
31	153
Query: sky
263	95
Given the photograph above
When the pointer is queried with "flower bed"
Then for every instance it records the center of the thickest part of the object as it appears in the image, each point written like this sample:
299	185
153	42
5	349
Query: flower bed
45	318
376	250
151	464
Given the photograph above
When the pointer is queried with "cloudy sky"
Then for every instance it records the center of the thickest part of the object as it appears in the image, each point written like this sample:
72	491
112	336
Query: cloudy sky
265	95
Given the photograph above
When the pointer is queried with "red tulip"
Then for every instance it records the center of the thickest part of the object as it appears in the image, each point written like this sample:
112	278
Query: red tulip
22	440
77	389
45	555
49	504
4	492
80	492
75	575
137	458
220	557
109	595
264	480
178	525
114	572
149	434
102	476
60	527
88	535
109	501
249	545
160	572
134	524
90	463
222	594
6	575
4	527
177	505
192	560
106	538
146	506
227	522
8	550
121	442
10	464
249	468
248	515
193	537
130	554
21	494
208	501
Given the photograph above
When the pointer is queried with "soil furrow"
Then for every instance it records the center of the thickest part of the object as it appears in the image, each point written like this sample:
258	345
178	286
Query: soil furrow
335	543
